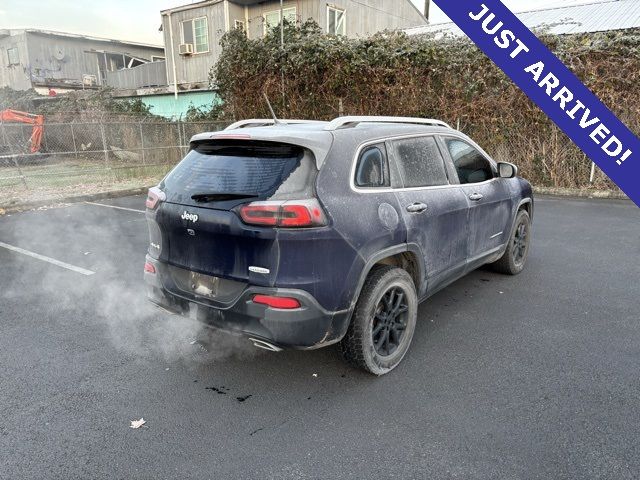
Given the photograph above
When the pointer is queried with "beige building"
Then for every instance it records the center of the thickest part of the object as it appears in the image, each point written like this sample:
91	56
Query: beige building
192	32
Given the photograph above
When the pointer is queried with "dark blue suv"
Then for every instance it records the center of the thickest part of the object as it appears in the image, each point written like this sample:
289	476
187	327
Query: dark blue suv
303	234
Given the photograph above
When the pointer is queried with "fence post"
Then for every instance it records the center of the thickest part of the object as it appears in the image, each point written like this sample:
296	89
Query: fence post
144	163
4	135
22	177
73	137
179	136
104	144
15	156
185	148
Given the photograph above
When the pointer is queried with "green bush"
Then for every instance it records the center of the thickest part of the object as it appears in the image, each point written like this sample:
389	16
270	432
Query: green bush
320	77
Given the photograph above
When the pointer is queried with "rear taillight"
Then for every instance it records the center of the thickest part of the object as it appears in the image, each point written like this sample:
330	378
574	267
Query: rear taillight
283	303
289	214
154	197
149	268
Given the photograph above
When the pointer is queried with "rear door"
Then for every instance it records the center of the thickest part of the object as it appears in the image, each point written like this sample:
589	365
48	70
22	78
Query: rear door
489	198
200	230
435	210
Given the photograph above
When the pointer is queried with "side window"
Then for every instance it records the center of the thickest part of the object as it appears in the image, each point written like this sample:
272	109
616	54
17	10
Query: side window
13	56
420	162
372	170
336	21
196	32
471	165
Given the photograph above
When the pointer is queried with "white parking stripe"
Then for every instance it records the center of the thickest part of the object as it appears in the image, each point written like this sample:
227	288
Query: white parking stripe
115	206
52	261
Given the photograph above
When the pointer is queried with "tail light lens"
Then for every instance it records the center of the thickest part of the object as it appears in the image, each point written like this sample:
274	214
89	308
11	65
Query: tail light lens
149	268
154	197
283	303
289	214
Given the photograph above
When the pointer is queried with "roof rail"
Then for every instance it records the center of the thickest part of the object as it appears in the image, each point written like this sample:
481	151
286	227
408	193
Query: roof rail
261	122
342	122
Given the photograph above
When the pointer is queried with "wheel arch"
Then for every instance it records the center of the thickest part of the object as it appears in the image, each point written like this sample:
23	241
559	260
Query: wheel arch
527	205
407	256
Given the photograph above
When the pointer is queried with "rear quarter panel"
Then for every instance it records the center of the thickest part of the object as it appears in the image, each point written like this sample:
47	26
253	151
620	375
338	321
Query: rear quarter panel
364	223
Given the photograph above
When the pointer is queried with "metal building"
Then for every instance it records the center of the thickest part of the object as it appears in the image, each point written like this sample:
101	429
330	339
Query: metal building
192	32
43	59
588	17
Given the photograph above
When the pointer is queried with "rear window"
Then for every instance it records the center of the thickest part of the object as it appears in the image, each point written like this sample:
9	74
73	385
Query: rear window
266	170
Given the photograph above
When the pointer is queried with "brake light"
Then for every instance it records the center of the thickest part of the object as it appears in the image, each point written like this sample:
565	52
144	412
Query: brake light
289	214
154	197
283	303
256	214
149	268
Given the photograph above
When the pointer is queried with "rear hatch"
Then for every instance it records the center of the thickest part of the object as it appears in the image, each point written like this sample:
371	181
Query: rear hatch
199	222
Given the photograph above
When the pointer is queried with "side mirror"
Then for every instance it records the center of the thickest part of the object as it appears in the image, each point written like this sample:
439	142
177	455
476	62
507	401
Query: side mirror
507	170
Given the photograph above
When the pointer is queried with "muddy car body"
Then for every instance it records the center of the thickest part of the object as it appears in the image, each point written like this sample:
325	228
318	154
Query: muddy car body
302	235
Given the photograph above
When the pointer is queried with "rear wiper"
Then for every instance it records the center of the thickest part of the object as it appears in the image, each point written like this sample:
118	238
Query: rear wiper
221	197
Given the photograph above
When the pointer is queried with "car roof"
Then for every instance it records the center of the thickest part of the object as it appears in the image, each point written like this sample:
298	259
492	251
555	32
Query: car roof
318	139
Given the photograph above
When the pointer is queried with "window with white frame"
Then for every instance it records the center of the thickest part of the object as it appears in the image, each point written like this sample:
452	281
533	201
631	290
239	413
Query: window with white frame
13	56
196	32
272	19
336	21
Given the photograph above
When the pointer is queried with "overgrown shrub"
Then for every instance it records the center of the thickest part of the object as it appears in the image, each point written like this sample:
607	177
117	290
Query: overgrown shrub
78	106
320	77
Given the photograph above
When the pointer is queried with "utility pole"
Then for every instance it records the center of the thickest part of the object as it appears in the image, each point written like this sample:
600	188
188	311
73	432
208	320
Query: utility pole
284	98
427	5
282	23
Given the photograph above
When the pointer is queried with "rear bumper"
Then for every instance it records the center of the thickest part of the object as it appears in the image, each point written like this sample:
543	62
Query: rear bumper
307	327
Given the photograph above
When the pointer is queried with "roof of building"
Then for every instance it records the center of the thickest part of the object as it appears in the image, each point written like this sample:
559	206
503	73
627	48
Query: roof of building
18	31
590	17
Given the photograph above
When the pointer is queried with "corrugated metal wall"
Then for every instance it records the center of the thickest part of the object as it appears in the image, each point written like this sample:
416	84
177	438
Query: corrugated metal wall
65	58
194	68
364	17
14	76
152	74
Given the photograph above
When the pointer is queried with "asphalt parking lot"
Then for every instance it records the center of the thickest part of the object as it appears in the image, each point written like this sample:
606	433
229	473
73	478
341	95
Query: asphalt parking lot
525	377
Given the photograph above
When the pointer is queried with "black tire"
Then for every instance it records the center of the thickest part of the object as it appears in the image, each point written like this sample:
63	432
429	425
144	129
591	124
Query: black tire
515	256
358	347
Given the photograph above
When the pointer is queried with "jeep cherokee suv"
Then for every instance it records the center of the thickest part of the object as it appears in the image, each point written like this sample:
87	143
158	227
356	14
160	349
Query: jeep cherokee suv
303	234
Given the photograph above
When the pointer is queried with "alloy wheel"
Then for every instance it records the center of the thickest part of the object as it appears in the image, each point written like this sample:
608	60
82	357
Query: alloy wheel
389	322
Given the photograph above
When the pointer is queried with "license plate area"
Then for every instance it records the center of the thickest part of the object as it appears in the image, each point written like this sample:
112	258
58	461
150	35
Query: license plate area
206	286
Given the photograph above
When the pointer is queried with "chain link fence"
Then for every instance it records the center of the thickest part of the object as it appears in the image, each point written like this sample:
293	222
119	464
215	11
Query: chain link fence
84	158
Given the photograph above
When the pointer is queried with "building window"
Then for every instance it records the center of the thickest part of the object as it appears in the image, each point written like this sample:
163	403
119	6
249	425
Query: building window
13	56
196	32
272	19
336	22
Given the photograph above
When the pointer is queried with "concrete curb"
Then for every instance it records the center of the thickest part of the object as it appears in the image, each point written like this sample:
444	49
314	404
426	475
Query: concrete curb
73	199
580	193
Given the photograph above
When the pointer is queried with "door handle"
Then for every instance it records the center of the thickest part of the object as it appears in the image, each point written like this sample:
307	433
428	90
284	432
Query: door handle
416	208
476	197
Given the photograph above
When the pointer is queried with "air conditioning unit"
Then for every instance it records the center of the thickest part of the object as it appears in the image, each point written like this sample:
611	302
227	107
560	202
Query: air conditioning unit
186	49
89	80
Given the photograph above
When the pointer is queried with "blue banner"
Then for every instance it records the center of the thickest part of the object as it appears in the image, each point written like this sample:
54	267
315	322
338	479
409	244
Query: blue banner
553	87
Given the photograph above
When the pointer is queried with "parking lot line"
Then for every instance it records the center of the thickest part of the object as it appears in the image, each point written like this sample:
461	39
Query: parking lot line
115	206
52	261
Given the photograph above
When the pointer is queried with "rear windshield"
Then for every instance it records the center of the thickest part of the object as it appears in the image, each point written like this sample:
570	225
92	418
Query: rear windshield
264	170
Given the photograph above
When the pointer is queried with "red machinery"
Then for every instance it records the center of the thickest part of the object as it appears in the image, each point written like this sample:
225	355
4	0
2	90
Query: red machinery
29	118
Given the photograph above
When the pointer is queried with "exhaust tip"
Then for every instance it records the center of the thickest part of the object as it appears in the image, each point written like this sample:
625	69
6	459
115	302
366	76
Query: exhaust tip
264	345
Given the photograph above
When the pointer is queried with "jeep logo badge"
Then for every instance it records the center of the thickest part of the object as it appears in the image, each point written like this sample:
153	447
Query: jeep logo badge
192	217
